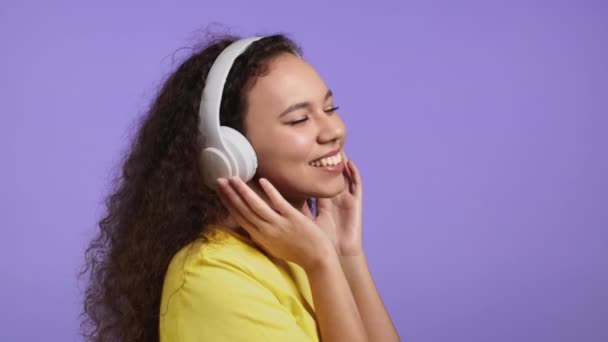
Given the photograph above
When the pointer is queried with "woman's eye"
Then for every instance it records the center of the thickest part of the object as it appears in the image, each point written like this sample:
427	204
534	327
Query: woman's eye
332	109
293	123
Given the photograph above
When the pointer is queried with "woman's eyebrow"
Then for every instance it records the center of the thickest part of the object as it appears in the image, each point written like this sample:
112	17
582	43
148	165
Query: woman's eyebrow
305	104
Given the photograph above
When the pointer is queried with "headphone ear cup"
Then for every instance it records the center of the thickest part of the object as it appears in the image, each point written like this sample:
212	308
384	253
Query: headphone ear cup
215	164
242	153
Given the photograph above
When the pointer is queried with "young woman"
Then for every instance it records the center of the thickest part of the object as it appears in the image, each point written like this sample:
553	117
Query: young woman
186	255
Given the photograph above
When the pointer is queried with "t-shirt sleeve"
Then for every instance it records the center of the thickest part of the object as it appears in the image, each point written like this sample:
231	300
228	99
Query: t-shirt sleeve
220	302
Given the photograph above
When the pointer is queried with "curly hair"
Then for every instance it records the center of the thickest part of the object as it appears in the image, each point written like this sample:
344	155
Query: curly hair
159	203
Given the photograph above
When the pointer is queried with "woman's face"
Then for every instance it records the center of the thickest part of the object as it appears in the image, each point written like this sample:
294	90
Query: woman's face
291	124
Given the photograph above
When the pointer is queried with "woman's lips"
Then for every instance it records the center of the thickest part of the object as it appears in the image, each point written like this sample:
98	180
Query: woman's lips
338	168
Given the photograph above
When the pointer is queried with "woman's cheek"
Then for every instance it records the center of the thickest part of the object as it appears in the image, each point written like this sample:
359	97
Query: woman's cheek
297	147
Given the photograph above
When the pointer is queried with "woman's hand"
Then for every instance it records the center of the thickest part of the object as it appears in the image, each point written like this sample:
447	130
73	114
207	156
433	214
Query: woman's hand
281	230
341	217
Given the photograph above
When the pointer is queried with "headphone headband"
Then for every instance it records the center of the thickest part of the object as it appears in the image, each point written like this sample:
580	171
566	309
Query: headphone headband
226	153
209	109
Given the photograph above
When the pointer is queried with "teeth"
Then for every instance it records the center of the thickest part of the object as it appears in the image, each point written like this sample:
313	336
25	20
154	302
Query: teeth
328	161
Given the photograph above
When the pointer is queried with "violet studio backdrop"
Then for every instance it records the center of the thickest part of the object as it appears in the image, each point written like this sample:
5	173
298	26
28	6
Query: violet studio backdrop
480	128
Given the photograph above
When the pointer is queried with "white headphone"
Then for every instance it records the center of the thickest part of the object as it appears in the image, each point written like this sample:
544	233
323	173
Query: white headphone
227	152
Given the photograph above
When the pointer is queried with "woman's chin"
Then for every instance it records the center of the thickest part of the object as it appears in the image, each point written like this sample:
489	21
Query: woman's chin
331	189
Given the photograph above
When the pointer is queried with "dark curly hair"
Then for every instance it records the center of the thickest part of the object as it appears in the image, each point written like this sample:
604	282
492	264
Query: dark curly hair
159	203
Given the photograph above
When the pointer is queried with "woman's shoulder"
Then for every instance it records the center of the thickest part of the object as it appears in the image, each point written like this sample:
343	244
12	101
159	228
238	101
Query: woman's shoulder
220	245
225	279
219	249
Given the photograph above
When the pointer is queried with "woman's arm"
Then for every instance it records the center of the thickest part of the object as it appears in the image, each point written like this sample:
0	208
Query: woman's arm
341	218
376	319
338	317
286	233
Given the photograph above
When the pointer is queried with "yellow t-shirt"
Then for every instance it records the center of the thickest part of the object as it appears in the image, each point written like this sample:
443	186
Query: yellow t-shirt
229	290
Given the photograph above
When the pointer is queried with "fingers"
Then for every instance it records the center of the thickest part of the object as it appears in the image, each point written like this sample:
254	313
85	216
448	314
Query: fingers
354	171
352	177
355	176
276	199
347	177
240	219
249	227
253	200
232	200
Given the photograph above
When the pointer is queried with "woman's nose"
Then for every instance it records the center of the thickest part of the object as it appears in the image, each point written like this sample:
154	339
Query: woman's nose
331	129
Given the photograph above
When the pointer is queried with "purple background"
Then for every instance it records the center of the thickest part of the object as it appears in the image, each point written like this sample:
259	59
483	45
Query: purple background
480	129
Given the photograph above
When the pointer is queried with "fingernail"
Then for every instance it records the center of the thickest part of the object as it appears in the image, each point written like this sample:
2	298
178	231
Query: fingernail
221	181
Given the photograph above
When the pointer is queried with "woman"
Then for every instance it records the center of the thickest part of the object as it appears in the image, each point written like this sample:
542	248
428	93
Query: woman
185	257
